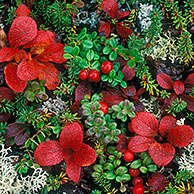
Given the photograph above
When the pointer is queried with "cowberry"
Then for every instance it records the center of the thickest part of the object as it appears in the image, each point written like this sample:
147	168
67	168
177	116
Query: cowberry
134	172
128	156
93	75
103	107
138	189
106	67
137	180
83	74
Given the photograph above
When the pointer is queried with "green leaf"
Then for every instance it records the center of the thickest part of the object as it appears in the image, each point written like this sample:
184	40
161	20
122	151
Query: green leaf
98	168
113	43
131	63
121	170
118	179
143	169
104	78
90	55
111	149
136	164
147	160
57	129
112	73
116	108
68	49
152	167
96	65
108	166
27	143
40	124
82	34
87	44
106	50
110	175
40	138
113	56
125	177
114	83
67	56
123	84
76	51
83	64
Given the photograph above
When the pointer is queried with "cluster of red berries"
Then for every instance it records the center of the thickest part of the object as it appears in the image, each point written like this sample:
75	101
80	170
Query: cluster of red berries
137	181
94	75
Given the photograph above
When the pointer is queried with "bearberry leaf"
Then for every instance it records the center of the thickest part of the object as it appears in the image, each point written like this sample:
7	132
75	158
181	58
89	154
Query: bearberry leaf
123	14
22	10
6	93
14	128
161	154
145	124
105	29
129	91
73	171
128	73
123	31
7	54
48	153
178	87
189	100
110	7
164	81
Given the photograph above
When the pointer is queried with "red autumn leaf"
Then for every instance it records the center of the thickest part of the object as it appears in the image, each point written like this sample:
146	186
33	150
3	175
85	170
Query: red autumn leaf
48	153
128	73
140	143
145	124
85	156
122	144
129	91
181	136
189	100
110	7
123	14
161	154
168	101
166	124
130	128
7	54
11	78
105	29
190	79
14	128
22	10
123	31
22	31
111	99
82	89
6	93
139	93
73	171
139	107
20	55
50	74
71	137
157	182
164	81
21	138
4	117
178	87
54	52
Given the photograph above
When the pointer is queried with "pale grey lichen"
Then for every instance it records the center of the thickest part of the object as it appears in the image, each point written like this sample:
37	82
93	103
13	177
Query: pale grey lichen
11	183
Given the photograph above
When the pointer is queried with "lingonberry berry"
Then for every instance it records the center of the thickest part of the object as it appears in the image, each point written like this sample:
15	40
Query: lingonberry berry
138	189
128	156
104	107
137	180
134	172
106	67
93	75
83	74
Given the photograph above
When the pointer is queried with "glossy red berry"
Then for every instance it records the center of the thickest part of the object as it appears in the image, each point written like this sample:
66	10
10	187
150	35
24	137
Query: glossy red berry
83	74
106	67
128	156
134	172
138	189
93	75
104	107
137	180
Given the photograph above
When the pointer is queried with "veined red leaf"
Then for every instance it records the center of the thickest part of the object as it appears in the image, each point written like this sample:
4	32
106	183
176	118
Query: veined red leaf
14	128
161	154
123	31
112	99
110	7
189	83
4	117
178	87
168	101
181	135
22	10
129	91
105	29
7	54
139	107
50	74
140	143
73	171
21	54
128	73
11	78
48	153
164	81
166	124
189	100
71	137
122	145
145	124
7	94
22	31
123	14
21	138
85	156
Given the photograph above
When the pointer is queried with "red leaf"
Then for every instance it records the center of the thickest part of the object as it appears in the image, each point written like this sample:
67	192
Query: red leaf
82	89
48	153
14	128
166	124
29	69
128	73
139	107
73	171
181	136
21	138
22	10
112	99
140	143
168	101
50	74
178	87
71	137
145	124
22	31
189	100
161	154
157	182
7	54
110	7
85	156
105	29
123	31
21	54
129	91
164	81
123	14
189	83
122	144
6	93
4	117
54	52
11	78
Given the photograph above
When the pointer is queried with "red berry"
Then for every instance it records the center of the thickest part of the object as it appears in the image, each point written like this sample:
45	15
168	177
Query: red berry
138	189
128	156
104	107
83	74
93	75
137	180
134	172
106	67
